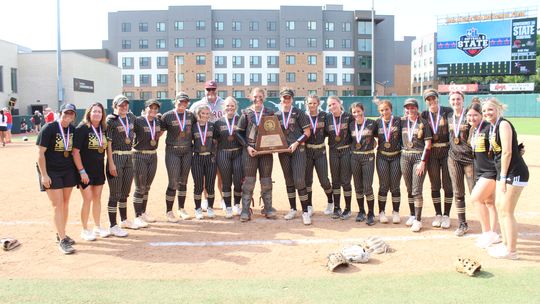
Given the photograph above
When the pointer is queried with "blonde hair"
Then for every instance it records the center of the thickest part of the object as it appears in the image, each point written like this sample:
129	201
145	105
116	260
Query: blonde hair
384	102
199	109
494	102
258	90
230	98
333	97
311	96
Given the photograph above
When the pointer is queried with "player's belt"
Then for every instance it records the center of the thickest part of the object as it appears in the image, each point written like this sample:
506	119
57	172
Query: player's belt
412	152
342	147
145	151
203	153
310	146
363	152
389	153
441	145
122	152
230	150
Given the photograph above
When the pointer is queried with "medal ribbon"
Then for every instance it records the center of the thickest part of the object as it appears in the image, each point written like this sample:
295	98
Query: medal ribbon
457	128
435	126
203	136
359	137
337	129
182	123
65	139
286	121
387	133
475	134
230	127
258	117
492	129
313	123
98	136
410	134
152	127
125	125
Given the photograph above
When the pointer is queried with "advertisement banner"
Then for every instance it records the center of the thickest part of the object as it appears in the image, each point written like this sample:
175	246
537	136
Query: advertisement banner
83	85
446	88
512	87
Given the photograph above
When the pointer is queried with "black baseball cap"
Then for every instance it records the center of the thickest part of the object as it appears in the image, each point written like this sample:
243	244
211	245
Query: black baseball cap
68	107
286	92
410	101
151	102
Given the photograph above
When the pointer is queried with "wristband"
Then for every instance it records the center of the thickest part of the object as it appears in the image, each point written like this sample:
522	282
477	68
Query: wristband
503	177
302	139
82	171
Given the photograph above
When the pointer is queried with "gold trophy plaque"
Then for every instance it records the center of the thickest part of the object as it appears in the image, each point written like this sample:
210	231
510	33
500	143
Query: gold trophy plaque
270	138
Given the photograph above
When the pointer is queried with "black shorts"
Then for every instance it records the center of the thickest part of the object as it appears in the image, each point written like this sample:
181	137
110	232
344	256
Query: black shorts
94	181
3	128
487	175
517	180
66	179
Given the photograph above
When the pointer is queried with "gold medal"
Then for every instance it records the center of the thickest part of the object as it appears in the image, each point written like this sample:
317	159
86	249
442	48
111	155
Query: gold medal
338	138
358	145
286	131
435	137
410	144
101	150
153	143
203	148
66	154
387	145
490	154
230	137
182	134
456	140
127	141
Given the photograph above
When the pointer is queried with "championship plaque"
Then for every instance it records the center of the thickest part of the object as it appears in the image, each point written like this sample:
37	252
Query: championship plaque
270	138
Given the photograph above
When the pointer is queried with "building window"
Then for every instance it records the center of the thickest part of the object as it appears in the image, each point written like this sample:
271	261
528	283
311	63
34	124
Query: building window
289	42
273	78
201	77
236	26
272	93
364	27
220	77
271	43
179	42
162	79
220	61
200	42
364	62
312	92
255	61
346	43
238	61
290	59
127	80
179	59
347	78
312	42
146	95
126	27
330	93
238	94
312	77
346	27
254	26
218	26
289	25
312	25
127	63
180	77
364	45
272	61
271	26
347	61
329	43
200	59
330	78
331	61
143	27
312	60
160	44
162	62
222	94
329	26
129	95
253	43
291	77
126	44
200	25
160	27
364	79
238	79
179	25
236	43
200	94
161	95
143	43
255	78
347	93
219	43
144	79
144	63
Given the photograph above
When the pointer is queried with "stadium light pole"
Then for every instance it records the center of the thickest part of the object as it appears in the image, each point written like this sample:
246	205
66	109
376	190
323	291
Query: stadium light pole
59	88
373	48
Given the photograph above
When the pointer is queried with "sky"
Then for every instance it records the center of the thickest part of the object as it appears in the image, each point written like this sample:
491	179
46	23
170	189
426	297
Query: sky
32	23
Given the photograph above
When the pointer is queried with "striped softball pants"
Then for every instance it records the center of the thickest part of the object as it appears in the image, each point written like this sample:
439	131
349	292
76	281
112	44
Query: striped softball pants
119	187
178	163
363	167
293	166
389	173
264	164
144	171
413	182
203	170
460	172
340	170
437	167
316	158
232	172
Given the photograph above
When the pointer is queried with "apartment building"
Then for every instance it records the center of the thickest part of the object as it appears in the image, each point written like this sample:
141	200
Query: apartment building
423	63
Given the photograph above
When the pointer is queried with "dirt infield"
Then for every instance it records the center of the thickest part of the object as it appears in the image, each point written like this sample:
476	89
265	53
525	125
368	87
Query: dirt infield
260	248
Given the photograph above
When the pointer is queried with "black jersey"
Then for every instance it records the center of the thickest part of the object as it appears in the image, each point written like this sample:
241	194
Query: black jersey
483	160
120	131
248	123
367	141
178	127
293	123
460	146
338	134
50	137
225	132
517	165
317	125
203	138
88	142
441	135
420	132
143	133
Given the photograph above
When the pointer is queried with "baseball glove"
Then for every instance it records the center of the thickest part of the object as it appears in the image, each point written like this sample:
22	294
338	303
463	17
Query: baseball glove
375	244
9	243
355	254
468	266
335	260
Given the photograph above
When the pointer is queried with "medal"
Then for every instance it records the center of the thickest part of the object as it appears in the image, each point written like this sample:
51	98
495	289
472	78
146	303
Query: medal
182	134
65	139
434	125
99	137
387	132
181	123
101	150
152	131
436	137
230	137
490	154
203	136
359	133
456	140
153	143
457	127
358	145
337	128
126	129
492	134
313	123
475	136
410	144
410	132
286	121
230	127
203	148
286	132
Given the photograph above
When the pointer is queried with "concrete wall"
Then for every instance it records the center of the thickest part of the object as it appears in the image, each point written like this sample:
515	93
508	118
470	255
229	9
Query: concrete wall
8	60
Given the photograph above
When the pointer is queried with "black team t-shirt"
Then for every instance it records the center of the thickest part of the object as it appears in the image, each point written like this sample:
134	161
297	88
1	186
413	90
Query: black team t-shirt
50	137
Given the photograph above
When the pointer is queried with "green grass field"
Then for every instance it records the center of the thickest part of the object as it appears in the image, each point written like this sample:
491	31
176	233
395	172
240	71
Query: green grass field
492	286
526	126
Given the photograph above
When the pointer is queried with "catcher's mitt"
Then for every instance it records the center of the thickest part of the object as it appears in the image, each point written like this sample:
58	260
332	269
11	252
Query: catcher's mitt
9	244
355	254
375	244
468	266
335	260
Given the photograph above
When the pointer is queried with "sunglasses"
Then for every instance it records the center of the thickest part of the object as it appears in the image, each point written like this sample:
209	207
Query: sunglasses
210	90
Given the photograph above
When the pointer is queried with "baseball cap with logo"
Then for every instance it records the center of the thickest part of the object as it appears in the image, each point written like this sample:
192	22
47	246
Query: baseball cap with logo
210	84
286	92
182	96
68	107
119	99
430	92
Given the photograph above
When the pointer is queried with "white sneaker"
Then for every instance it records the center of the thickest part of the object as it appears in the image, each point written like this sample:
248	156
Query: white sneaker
147	218
139	222
290	215
223	206
171	218
501	252
396	219
306	218
183	214
416	226
487	239
210	212
228	212
236	209
329	209
88	235
411	220
310	211
199	214
437	221
103	233
117	231
127	224
204	204
445	222
382	218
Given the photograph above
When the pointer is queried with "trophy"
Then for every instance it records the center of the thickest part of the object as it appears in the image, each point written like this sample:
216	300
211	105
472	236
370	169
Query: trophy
270	138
